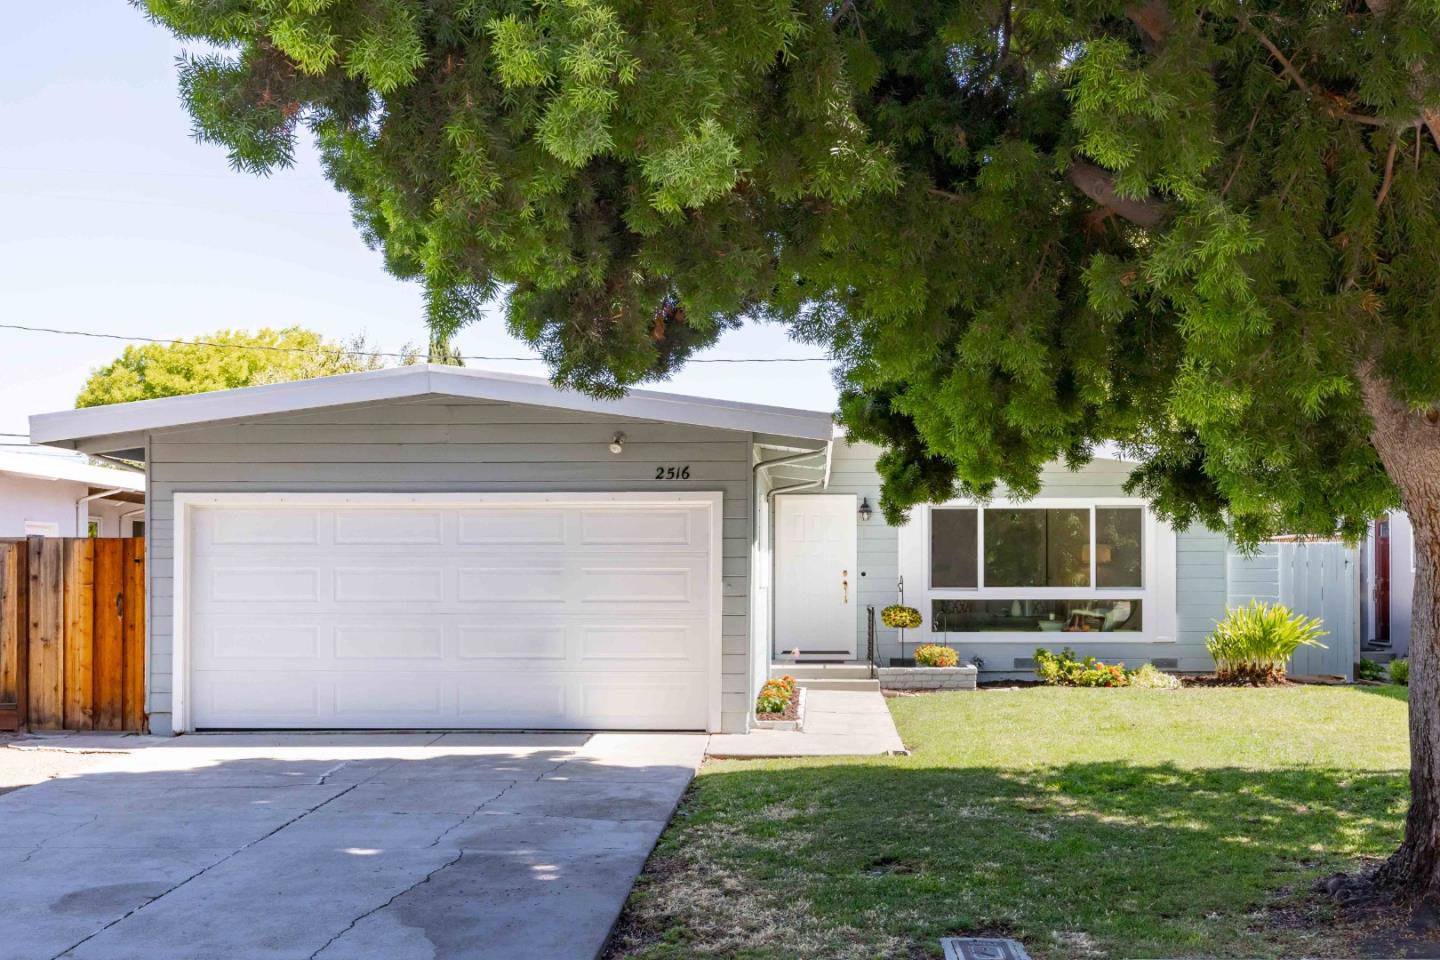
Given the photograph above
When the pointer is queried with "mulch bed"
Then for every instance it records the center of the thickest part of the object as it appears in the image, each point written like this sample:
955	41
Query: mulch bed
792	711
1210	680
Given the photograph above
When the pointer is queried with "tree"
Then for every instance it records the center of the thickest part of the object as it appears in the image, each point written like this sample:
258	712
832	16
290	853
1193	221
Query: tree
1206	231
221	361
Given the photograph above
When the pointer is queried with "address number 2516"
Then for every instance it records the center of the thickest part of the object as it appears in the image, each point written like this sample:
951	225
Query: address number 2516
673	473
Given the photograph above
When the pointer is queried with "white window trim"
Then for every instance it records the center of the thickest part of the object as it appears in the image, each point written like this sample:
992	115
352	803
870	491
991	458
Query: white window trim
186	503
1156	594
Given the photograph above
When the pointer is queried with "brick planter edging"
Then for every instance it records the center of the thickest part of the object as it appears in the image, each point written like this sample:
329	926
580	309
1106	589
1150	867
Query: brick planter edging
928	678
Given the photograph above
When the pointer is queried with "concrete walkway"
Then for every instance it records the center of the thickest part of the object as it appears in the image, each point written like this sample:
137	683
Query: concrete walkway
337	846
838	723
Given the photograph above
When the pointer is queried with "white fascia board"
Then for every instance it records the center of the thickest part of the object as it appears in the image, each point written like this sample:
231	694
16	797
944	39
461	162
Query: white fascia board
74	427
43	466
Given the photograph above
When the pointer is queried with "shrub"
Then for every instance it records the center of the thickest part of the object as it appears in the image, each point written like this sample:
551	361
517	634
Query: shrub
1064	669
1151	677
1252	644
775	695
1400	672
1368	669
934	655
900	617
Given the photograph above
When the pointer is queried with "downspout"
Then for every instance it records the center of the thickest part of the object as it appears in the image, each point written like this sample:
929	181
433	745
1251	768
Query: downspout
770	520
82	516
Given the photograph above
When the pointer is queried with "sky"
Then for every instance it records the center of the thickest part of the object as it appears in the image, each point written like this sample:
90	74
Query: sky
114	220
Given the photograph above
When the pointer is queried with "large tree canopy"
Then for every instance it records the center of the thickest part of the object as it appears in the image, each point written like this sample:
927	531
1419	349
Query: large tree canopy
1207	230
222	360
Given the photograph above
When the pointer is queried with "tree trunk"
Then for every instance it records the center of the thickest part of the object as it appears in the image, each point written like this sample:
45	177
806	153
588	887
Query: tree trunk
1408	444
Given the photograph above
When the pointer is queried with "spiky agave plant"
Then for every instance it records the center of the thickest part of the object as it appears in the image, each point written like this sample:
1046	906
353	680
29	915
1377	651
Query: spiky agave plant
1253	643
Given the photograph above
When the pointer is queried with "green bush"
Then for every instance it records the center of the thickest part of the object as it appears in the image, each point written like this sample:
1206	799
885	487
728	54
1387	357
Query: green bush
1065	669
1400	672
934	655
1252	644
1368	669
1151	677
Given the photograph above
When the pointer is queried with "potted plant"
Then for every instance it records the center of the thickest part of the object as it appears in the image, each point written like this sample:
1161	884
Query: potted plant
897	616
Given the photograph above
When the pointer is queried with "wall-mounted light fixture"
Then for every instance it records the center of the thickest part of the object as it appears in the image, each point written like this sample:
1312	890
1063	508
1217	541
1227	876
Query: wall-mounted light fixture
865	511
617	443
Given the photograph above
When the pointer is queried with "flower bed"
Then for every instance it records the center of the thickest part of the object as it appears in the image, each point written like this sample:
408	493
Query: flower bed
776	697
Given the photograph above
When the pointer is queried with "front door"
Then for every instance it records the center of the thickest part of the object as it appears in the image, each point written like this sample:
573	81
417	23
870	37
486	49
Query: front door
816	580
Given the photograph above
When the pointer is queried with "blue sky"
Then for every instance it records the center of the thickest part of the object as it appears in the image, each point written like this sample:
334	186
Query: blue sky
116	221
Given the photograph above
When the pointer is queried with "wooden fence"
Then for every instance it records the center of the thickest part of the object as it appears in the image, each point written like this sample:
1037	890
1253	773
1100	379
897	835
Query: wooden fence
72	634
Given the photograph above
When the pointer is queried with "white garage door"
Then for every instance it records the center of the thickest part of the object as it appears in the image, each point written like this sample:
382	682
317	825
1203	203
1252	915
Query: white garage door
433	613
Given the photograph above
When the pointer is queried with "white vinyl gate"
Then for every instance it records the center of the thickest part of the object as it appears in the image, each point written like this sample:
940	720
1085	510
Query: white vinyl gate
1322	579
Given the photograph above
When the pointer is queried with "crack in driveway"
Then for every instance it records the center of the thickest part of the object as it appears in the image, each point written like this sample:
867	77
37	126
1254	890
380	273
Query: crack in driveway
376	909
201	872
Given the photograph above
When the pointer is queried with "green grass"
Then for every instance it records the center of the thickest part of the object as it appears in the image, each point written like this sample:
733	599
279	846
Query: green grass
1087	823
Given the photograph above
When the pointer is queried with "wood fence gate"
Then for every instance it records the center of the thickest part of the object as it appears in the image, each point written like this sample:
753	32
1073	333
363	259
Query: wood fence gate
72	634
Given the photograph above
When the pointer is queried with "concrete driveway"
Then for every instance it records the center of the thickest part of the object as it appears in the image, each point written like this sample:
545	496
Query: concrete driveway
334	846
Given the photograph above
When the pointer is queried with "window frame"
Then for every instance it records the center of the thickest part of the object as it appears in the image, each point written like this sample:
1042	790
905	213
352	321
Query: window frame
983	591
1156	593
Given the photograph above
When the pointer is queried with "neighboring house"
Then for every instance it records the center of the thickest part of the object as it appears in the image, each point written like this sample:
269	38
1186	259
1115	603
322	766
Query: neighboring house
46	493
1387	581
439	547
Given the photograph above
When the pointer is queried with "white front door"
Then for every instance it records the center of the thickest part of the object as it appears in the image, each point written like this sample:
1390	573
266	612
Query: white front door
444	612
816	581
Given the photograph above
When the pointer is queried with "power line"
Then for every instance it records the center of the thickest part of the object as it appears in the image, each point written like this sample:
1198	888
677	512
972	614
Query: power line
358	353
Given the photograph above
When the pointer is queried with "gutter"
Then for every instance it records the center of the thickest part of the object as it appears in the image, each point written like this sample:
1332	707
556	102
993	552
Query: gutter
82	519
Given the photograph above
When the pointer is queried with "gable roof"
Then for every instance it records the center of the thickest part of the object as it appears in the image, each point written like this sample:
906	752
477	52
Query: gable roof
82	429
53	466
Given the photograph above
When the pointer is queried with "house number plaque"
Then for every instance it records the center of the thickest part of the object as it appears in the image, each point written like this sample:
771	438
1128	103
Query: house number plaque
680	472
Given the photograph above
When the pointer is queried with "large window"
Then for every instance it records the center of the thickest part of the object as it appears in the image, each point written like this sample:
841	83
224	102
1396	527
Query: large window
1073	569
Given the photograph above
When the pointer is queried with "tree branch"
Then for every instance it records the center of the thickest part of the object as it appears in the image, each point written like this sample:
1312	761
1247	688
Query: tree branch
1389	173
1099	185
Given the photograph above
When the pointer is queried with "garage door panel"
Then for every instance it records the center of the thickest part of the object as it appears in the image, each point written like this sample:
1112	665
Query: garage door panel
370	641
425	616
389	527
236	583
511	526
644	700
385	585
511	584
620	646
379	699
486	700
519	641
251	640
249	527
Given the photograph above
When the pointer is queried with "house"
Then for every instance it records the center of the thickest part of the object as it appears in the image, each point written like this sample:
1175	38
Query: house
440	547
44	493
1387	581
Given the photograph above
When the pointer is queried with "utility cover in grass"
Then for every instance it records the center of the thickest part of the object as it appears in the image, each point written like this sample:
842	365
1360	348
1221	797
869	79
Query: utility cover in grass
982	948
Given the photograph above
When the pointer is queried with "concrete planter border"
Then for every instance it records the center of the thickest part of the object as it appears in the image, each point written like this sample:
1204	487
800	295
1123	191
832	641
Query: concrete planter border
929	678
797	724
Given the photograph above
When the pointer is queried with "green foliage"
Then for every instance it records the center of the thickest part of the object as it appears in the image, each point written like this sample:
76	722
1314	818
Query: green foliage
1253	643
775	695
1150	677
899	617
903	183
1400	672
1368	669
221	361
1065	669
935	655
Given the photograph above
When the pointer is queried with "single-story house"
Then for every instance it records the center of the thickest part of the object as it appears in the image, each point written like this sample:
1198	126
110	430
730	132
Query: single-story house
49	494
440	547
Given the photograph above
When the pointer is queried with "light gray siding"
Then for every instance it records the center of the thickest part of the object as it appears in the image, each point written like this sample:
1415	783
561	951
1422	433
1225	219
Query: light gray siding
1200	571
445	444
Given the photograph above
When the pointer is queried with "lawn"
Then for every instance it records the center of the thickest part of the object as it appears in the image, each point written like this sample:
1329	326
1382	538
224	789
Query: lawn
1086	823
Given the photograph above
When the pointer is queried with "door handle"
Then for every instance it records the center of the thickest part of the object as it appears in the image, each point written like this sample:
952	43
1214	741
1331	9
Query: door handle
845	584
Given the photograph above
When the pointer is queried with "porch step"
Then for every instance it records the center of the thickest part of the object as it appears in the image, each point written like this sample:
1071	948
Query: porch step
821	671
822	683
